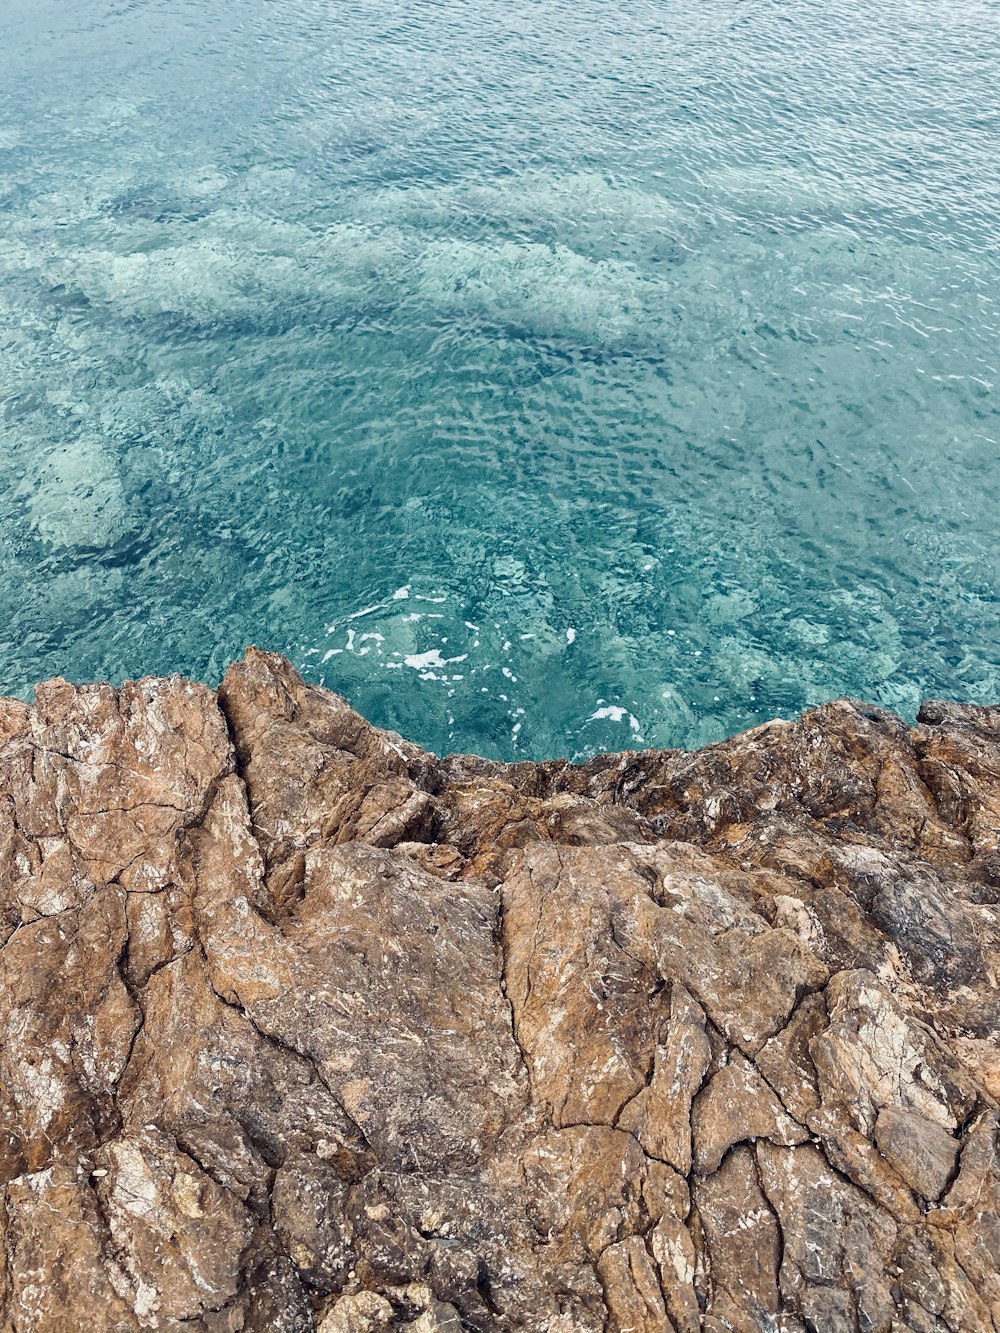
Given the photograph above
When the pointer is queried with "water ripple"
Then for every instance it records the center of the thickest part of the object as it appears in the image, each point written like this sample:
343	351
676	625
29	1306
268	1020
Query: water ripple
544	377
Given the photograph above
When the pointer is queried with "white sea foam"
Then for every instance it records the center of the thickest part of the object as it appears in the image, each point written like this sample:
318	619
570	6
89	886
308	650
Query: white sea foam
615	713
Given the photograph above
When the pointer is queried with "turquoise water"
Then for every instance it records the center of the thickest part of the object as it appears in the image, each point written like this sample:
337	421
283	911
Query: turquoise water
542	376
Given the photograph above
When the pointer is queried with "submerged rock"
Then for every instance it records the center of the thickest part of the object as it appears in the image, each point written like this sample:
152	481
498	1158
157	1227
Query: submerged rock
307	1029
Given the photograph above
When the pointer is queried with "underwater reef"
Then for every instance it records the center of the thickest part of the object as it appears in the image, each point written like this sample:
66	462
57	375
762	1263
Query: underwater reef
307	1029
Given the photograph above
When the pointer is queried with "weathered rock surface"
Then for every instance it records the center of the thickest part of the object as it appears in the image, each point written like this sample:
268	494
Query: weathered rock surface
306	1029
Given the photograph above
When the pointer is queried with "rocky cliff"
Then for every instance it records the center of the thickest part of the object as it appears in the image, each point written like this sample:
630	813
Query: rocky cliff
306	1029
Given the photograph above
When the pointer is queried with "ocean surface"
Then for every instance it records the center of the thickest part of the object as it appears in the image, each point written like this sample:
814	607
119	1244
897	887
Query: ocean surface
541	376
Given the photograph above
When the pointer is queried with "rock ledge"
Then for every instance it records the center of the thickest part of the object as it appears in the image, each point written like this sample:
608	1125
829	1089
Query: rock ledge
306	1029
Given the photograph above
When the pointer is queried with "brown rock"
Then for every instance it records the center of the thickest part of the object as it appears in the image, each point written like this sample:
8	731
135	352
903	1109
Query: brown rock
922	1152
632	1289
739	1239
738	1106
306	1029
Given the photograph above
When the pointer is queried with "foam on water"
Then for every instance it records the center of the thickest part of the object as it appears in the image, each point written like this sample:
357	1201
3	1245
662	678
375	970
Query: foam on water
494	359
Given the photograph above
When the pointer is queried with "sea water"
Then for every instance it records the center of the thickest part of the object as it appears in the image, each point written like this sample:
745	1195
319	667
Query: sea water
543	376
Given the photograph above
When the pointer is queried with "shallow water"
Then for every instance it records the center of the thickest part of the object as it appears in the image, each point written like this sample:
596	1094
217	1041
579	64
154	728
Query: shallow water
542	376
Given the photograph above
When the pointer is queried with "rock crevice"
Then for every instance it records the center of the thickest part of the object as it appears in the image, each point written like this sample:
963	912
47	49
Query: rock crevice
306	1029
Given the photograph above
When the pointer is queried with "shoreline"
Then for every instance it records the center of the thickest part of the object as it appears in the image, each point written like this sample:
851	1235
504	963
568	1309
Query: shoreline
310	1029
